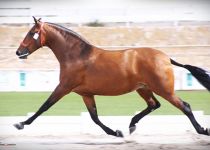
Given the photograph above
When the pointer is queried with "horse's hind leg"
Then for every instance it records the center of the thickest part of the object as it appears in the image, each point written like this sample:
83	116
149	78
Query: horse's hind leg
186	109
152	103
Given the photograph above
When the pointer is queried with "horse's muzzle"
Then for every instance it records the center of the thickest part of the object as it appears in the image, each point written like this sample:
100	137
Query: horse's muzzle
22	54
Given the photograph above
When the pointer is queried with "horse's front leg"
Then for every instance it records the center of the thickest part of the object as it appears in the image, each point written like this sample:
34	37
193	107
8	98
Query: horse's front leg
91	106
57	94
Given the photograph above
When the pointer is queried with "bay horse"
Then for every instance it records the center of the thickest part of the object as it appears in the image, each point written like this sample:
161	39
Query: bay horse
88	70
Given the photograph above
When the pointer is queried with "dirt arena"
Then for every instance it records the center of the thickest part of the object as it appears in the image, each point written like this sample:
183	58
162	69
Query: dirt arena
189	141
78	133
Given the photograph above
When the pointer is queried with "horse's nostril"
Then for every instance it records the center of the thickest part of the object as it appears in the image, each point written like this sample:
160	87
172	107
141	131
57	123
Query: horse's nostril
17	53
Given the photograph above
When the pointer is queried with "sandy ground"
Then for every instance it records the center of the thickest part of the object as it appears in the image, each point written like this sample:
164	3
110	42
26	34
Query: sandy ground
189	141
71	133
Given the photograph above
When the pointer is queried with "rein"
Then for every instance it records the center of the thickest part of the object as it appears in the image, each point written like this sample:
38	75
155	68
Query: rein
35	37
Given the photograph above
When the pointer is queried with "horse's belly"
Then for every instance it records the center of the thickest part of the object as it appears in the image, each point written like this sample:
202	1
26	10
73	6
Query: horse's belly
100	91
106	88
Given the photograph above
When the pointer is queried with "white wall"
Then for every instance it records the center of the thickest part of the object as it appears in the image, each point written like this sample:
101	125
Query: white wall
28	80
80	11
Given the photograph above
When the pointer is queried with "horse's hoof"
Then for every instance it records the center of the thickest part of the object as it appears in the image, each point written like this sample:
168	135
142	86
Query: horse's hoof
208	131
119	133
19	126
132	129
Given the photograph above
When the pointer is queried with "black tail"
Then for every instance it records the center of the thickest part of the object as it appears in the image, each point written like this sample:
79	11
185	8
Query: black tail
201	75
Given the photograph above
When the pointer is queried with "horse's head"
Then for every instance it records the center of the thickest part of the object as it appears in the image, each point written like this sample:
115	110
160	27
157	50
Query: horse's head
33	40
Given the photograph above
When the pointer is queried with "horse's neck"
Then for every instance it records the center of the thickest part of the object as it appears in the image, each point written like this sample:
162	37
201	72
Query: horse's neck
64	50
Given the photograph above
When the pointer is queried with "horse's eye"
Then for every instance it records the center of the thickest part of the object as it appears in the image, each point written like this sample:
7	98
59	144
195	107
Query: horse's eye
31	33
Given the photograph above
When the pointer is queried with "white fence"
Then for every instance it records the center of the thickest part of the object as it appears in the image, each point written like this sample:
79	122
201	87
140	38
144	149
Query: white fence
68	125
46	80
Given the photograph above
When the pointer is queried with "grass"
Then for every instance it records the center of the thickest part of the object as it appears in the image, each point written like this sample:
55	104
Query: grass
20	103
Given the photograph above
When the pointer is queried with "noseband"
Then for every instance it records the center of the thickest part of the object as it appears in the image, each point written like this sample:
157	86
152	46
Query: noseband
36	36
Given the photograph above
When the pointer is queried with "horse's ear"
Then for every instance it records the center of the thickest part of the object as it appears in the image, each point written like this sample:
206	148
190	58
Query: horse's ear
39	19
35	20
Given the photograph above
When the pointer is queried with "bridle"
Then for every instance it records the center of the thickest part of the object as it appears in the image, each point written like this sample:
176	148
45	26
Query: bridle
35	37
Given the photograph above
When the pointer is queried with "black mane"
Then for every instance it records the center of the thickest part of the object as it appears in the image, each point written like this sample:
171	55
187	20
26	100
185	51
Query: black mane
85	46
73	33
